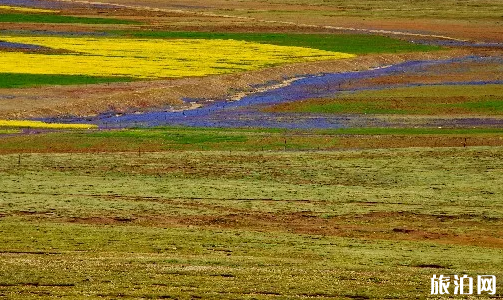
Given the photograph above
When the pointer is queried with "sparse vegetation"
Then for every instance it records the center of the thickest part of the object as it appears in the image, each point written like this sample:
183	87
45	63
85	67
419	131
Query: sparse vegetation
358	223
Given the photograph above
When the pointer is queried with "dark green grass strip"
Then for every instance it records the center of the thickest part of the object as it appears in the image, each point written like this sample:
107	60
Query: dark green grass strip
15	80
348	43
483	106
49	18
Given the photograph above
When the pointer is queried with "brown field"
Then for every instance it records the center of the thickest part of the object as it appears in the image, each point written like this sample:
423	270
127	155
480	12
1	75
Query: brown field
452	72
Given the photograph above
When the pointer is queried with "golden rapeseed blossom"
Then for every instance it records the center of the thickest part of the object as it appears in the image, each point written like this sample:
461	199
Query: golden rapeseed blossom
152	58
26	9
42	125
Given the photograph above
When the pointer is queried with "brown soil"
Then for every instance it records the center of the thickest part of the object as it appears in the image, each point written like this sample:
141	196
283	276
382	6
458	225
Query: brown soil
445	229
372	225
376	225
396	141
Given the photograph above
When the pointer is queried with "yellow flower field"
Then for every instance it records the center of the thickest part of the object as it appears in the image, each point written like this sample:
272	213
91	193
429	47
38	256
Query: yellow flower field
26	9
43	125
152	58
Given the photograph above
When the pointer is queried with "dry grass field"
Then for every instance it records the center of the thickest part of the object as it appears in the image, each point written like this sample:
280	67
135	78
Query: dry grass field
372	224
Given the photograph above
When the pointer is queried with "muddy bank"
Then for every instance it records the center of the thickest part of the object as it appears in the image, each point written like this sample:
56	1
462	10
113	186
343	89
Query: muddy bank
252	109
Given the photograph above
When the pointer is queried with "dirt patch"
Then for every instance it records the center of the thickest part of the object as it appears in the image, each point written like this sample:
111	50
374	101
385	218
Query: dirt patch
430	266
368	226
37	284
100	220
377	225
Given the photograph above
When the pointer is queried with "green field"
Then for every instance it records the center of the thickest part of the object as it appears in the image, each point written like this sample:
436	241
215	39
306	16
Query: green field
186	138
347	43
58	19
372	224
18	80
9	131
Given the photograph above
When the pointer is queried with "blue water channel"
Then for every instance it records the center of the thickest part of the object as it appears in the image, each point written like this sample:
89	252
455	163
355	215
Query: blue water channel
247	111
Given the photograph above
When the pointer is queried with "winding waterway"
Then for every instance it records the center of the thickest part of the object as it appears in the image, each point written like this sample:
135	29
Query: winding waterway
248	110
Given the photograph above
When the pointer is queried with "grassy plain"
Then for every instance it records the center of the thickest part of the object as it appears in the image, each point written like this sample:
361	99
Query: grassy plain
423	100
368	224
